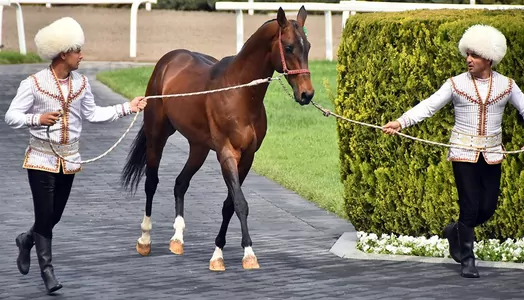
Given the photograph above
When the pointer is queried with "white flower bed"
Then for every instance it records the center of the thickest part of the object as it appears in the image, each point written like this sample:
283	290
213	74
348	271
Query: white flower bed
489	250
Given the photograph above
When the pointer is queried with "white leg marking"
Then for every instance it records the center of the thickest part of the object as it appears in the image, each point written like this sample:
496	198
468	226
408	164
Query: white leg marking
179	227
146	227
248	251
217	254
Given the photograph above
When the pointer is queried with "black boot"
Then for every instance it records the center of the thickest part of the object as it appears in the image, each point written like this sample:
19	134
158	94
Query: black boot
24	242
43	251
467	256
451	233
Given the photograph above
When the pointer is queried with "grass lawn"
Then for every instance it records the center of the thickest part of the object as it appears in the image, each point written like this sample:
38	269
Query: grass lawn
11	57
300	150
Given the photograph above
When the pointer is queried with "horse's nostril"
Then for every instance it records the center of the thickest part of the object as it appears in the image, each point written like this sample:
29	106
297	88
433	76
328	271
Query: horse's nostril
307	96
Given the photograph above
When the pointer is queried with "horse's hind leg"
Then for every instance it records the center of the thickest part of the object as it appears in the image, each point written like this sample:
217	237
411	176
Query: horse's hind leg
156	140
217	260
197	156
249	261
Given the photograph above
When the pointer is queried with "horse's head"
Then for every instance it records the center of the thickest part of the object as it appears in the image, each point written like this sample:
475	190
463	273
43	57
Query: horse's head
290	55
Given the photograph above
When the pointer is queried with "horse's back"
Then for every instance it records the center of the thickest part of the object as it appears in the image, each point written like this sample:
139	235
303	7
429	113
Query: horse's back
186	69
178	72
183	58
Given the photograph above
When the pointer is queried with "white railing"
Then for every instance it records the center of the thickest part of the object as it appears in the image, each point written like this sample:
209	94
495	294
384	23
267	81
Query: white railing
135	4
19	24
344	6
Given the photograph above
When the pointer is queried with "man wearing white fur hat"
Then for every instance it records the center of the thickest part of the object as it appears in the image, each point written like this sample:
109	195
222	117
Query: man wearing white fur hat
58	97
479	97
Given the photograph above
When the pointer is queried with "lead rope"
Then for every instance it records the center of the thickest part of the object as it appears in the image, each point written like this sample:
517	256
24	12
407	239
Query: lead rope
327	113
252	83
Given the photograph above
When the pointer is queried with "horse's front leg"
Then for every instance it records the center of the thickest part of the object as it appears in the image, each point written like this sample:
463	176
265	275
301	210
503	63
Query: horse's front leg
235	168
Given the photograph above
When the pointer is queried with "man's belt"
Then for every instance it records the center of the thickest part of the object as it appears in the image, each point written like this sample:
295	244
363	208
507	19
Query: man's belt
62	149
475	141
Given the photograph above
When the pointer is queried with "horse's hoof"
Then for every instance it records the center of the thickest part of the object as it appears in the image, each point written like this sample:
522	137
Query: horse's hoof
143	250
217	265
176	247
250	262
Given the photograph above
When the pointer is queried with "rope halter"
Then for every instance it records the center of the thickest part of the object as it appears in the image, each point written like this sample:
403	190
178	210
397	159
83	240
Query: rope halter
284	66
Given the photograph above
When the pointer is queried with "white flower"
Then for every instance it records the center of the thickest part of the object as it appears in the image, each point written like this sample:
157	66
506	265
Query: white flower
391	248
404	250
492	249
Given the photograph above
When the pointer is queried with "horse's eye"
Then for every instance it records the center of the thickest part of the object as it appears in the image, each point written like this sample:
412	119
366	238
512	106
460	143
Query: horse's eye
289	49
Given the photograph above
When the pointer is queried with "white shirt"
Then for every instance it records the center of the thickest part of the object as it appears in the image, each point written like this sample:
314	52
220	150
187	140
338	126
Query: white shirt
473	116
40	93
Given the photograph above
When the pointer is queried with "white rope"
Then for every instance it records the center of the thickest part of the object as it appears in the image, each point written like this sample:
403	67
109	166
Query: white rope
252	83
327	113
98	157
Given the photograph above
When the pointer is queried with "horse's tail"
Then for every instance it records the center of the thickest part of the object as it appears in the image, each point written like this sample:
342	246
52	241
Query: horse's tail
136	162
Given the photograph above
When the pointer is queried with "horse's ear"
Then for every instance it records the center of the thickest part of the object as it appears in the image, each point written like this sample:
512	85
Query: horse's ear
301	16
281	17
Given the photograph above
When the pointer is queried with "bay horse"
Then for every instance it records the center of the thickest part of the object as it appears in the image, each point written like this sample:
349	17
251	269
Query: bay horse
232	123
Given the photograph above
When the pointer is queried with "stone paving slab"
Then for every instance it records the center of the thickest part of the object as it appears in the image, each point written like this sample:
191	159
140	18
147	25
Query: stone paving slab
94	244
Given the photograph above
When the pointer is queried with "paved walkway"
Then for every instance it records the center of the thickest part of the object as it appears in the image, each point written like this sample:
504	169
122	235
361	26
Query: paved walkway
94	245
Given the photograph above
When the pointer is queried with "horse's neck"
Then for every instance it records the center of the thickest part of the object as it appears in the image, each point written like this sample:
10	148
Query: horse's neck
254	60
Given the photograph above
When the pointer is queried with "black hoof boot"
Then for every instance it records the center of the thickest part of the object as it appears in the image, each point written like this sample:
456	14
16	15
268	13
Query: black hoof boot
451	234
24	242
467	256
43	251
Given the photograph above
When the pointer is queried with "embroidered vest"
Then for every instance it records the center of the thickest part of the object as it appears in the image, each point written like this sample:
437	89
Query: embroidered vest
65	133
476	120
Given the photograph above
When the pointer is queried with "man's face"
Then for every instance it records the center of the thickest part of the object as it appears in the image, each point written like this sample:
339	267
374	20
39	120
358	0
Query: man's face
73	58
476	64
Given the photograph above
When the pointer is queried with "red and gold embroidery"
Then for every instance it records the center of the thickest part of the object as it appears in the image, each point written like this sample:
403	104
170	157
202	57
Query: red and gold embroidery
462	93
506	92
67	171
27	165
64	136
80	90
55	169
483	109
41	90
65	103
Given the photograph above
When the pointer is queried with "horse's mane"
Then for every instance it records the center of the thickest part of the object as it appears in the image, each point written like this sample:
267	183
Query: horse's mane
268	21
220	66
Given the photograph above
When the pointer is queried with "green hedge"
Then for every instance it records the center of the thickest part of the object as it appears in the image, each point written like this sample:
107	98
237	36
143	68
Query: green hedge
387	63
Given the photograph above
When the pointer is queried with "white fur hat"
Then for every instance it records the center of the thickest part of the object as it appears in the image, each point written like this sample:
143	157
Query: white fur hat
60	36
485	41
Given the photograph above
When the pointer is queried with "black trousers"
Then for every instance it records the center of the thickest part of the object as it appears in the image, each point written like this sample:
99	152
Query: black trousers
50	194
478	186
